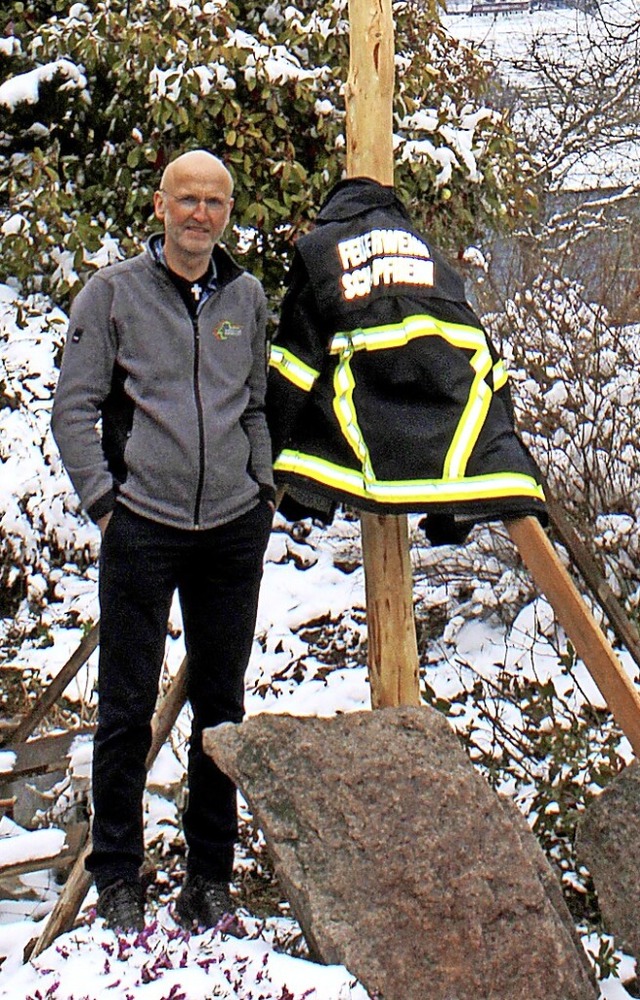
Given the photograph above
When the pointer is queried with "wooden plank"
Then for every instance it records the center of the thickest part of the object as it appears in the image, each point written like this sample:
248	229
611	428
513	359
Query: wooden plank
75	839
583	560
392	645
44	755
52	693
67	905
63	859
167	712
588	639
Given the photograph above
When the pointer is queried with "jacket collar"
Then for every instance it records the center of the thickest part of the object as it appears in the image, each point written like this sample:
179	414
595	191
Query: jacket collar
356	195
223	267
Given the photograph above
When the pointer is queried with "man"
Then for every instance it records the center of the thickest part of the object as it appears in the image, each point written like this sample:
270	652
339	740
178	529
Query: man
168	349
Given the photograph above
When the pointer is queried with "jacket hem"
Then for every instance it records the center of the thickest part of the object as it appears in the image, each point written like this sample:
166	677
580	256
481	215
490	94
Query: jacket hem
473	510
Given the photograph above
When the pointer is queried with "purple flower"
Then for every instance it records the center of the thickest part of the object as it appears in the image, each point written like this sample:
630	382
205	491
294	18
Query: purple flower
175	994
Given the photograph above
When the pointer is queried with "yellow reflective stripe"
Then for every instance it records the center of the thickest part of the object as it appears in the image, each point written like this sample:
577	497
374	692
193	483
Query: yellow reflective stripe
376	338
472	420
500	375
292	368
493	486
322	471
458	335
345	411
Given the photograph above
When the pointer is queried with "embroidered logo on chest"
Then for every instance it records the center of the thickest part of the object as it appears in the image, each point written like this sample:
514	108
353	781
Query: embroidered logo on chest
227	329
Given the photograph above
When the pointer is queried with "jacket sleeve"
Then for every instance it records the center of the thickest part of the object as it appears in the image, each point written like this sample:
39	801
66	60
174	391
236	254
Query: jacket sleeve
253	419
297	356
84	384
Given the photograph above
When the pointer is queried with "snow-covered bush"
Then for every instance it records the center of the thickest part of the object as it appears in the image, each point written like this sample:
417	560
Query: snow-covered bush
577	398
40	529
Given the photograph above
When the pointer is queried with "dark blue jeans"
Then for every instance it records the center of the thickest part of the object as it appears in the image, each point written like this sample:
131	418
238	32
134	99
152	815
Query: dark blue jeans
217	575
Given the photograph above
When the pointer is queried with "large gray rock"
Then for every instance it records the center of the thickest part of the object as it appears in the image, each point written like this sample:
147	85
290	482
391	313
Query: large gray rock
608	843
398	860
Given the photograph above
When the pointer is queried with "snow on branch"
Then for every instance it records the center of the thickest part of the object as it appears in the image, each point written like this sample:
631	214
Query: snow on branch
25	88
459	137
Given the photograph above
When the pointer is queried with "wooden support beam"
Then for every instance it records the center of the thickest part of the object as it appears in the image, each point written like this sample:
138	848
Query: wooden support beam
392	645
583	560
50	696
45	755
587	637
168	710
78	884
369	91
67	906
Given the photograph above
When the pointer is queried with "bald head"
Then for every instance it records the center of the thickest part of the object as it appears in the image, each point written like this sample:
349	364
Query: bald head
196	163
194	204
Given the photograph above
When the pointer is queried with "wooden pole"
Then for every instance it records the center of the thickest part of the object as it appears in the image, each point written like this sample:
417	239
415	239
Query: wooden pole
369	91
66	908
393	658
391	630
392	644
168	710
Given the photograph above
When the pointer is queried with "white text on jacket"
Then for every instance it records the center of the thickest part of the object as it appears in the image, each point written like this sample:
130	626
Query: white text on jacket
384	257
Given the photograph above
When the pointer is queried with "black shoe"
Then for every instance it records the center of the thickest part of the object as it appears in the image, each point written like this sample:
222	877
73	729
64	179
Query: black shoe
203	902
121	904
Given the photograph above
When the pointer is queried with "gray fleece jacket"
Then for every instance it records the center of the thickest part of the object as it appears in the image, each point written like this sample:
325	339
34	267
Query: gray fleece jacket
182	437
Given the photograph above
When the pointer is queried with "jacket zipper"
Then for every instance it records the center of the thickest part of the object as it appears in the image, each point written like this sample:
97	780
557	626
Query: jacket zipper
199	411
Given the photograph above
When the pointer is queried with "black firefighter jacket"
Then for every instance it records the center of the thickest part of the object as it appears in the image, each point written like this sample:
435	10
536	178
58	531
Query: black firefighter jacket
384	390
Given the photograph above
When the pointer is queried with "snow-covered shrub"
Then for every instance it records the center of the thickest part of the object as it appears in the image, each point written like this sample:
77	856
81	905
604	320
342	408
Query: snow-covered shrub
577	399
40	527
577	393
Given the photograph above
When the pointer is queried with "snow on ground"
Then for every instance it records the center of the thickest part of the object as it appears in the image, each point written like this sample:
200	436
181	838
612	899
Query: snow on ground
506	39
166	963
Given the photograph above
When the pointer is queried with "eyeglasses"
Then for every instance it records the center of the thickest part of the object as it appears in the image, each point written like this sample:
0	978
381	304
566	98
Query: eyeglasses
189	203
